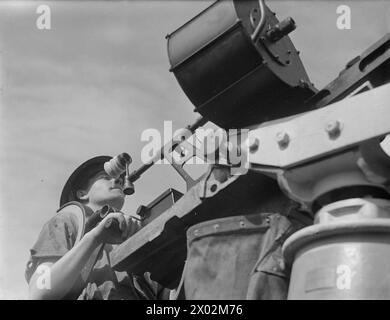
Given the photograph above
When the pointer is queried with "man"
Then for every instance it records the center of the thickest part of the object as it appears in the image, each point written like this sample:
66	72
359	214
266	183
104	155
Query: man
65	260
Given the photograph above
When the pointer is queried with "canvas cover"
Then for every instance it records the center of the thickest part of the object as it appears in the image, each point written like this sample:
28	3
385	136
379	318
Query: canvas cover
239	257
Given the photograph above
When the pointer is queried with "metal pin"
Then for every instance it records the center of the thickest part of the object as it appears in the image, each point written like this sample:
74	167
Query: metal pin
254	144
333	128
283	139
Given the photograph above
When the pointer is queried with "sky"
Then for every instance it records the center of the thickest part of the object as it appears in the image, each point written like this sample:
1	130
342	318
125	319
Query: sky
98	78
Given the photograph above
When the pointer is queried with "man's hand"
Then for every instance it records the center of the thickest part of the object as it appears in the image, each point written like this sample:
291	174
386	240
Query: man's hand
128	225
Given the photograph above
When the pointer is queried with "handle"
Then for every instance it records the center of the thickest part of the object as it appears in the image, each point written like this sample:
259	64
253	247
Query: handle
113	226
111	223
261	24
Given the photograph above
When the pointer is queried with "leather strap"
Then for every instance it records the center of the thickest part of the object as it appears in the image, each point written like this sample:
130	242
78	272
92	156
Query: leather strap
79	211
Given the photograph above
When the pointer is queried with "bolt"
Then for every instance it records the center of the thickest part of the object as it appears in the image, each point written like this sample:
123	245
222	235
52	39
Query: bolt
303	84
213	187
254	144
182	152
333	128
283	139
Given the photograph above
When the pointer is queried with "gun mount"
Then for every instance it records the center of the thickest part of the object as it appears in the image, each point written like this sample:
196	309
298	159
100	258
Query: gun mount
323	152
311	150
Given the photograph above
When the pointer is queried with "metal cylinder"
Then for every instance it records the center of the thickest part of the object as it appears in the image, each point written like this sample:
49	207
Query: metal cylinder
128	186
344	255
117	165
281	29
232	73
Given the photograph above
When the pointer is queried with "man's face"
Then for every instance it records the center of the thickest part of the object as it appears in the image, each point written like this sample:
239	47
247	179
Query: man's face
102	190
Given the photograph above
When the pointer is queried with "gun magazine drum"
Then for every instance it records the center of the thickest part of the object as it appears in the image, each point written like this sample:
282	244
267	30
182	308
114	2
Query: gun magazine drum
232	79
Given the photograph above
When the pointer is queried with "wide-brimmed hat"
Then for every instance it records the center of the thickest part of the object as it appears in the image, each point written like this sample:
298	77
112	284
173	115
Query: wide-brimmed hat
85	171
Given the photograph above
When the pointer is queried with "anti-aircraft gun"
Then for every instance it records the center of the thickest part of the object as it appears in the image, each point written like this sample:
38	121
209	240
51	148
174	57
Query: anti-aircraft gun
239	68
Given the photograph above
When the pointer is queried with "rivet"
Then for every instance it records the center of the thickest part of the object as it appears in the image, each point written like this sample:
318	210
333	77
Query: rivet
333	128
196	232
283	139
216	227
254	144
242	224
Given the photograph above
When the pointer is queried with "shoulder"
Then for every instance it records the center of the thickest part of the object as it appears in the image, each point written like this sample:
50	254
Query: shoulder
73	215
57	237
65	224
64	220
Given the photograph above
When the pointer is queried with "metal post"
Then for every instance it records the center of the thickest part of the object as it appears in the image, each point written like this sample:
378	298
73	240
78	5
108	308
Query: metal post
345	254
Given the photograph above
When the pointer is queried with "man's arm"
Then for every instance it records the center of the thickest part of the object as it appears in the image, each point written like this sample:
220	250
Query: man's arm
65	271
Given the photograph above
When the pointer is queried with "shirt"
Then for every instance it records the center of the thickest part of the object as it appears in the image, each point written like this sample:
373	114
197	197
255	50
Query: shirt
58	236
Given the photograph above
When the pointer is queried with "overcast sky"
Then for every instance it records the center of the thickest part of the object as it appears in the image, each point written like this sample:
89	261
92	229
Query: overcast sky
98	78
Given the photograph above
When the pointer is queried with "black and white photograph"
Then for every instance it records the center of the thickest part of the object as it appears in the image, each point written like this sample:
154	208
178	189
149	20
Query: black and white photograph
222	150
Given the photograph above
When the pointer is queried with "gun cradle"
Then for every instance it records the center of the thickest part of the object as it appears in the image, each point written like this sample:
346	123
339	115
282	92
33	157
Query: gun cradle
160	247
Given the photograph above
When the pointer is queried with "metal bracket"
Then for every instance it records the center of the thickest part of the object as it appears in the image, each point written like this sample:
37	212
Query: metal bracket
319	133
